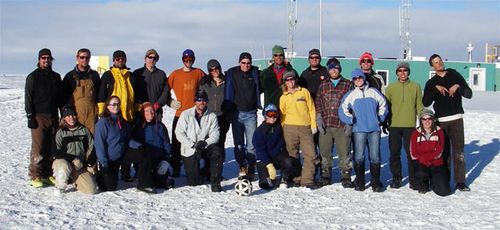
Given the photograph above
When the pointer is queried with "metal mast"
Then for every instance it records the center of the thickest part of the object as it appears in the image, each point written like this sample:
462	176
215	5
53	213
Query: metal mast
404	28
292	23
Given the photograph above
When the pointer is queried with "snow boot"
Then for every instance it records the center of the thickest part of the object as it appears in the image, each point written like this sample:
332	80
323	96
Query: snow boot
326	177
396	183
359	182
37	183
50	181
375	178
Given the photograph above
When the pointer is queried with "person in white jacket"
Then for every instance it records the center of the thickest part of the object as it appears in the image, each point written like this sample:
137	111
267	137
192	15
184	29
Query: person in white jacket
198	132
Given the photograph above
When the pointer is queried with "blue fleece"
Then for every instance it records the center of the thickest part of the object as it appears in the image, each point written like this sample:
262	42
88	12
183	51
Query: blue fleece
268	142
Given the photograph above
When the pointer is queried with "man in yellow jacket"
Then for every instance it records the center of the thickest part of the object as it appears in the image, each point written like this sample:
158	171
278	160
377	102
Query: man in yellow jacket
299	126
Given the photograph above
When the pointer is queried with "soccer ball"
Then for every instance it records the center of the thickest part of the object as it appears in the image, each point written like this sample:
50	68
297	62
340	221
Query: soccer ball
243	187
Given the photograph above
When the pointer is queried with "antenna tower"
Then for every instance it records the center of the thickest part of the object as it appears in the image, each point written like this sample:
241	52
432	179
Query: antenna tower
292	24
404	28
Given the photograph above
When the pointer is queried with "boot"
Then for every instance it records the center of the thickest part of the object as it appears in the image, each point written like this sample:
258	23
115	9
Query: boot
359	182
396	183
326	177
346	179
251	172
243	171
375	178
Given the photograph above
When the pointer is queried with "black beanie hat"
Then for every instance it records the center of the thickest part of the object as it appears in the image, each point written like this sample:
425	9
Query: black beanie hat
201	94
245	55
213	63
314	52
68	110
44	51
119	53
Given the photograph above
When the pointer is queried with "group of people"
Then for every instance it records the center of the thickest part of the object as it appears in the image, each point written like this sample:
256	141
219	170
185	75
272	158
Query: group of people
110	123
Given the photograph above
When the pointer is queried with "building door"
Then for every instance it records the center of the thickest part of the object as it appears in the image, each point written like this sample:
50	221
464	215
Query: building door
477	79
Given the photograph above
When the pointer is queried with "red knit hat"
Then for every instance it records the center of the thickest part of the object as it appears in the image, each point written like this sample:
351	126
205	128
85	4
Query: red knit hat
366	55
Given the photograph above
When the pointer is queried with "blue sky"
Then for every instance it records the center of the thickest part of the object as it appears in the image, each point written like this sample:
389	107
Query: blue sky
222	29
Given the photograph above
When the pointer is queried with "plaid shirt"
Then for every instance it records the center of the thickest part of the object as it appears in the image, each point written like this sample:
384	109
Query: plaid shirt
328	101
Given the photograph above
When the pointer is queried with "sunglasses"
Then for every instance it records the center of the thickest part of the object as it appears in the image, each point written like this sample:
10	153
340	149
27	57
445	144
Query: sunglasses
46	58
212	70
426	119
200	99
187	59
290	79
356	78
402	70
245	63
279	55
151	57
84	57
271	114
314	57
114	104
366	61
120	59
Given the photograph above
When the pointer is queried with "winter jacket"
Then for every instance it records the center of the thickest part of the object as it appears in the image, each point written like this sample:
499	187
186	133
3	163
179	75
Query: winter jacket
297	108
215	93
376	81
185	85
117	82
329	99
271	83
368	107
42	92
445	106
242	89
73	78
405	101
189	131
72	143
311	79
427	152
112	137
268	142
155	139
151	86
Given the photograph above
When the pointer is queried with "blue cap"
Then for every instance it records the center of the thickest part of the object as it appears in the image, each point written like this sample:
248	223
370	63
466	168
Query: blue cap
188	53
358	73
335	66
270	107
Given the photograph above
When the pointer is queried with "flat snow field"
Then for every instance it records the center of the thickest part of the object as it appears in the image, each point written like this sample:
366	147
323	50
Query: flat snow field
330	207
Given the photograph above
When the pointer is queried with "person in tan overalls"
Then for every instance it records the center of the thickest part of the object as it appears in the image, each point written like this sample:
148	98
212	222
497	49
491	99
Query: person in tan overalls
81	85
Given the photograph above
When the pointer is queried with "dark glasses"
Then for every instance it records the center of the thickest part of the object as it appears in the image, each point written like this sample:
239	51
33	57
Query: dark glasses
187	59
212	70
114	104
151	57
366	61
245	63
46	58
200	99
290	79
314	57
279	55
272	114
120	59
356	78
402	70
426	119
84	57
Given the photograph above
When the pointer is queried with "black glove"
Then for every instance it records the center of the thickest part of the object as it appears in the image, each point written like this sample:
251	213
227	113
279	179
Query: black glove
385	127
200	146
32	124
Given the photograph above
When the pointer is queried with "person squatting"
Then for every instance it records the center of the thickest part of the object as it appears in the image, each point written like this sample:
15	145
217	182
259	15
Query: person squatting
88	131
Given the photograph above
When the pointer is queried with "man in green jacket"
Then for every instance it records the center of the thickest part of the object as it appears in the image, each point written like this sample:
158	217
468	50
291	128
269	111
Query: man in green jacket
405	100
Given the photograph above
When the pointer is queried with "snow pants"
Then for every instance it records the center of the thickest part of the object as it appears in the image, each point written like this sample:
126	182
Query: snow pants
212	155
300	138
436	178
454	133
85	181
336	137
42	146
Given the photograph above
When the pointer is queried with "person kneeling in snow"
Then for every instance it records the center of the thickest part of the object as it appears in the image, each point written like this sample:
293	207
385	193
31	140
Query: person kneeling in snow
271	151
154	136
426	147
198	132
74	145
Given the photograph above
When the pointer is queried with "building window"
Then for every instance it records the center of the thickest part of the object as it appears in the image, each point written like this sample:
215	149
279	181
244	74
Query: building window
384	74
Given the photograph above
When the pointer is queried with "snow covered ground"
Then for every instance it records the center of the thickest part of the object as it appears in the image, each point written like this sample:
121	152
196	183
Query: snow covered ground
23	207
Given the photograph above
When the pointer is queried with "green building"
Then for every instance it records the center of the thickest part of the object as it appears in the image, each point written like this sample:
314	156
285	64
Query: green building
479	76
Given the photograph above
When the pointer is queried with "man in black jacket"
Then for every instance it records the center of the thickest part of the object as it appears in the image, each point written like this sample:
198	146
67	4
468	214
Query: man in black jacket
446	89
42	100
312	77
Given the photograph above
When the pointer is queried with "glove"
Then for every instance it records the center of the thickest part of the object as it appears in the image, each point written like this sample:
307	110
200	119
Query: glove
175	105
272	171
385	127
77	163
32	124
320	123
200	146
163	167
314	130
348	130
156	106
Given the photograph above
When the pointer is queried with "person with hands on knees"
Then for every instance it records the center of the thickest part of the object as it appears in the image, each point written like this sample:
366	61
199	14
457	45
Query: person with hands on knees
365	108
427	144
331	128
299	126
198	132
153	134
114	145
74	146
271	152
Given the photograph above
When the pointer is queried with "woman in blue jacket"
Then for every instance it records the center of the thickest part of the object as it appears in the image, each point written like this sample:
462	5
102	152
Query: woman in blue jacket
114	144
364	108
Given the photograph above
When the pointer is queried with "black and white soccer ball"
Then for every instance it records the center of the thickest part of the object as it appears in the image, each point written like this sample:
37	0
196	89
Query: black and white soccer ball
243	187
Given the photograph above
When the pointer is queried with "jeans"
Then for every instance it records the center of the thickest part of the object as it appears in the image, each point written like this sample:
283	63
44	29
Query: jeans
244	125
373	139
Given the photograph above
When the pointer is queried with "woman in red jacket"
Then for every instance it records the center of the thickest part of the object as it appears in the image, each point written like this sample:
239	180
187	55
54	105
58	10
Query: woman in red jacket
426	147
